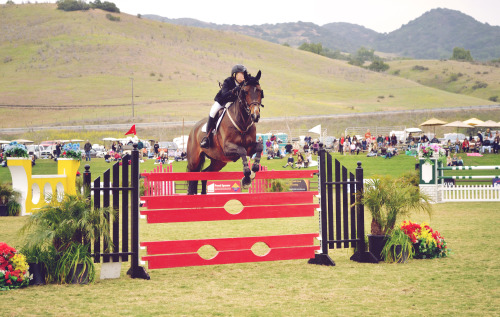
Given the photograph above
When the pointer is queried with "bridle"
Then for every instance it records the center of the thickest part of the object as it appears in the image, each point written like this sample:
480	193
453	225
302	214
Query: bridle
243	101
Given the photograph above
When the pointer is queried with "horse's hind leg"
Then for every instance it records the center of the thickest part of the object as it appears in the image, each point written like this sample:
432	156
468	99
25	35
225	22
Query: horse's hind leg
195	165
214	166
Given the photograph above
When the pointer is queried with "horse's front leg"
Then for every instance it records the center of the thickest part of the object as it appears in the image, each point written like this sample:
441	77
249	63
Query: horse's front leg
231	149
258	150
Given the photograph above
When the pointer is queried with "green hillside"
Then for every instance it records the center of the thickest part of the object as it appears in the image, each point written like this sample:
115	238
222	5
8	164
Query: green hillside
481	81
75	67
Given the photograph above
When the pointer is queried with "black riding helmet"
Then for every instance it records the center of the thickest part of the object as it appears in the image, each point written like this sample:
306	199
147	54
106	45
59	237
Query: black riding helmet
238	69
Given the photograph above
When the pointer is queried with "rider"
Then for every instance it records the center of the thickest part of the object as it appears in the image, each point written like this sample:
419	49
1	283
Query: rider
228	93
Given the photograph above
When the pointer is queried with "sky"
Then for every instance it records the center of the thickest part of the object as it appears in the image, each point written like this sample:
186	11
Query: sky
378	15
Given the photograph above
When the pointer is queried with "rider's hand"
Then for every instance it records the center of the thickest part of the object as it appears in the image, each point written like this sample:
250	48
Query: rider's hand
235	90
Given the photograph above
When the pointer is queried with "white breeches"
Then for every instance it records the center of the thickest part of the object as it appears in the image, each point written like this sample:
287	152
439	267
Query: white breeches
215	108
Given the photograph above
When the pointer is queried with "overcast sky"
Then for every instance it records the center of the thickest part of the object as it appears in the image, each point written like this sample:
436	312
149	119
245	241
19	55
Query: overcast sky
378	15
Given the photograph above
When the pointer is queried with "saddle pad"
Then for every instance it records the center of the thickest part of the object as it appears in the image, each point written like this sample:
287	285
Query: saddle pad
204	128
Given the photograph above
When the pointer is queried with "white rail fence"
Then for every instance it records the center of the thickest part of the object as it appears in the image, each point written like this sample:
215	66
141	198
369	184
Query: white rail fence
462	193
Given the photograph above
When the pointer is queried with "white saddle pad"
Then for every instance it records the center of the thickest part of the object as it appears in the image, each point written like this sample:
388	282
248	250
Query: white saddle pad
204	128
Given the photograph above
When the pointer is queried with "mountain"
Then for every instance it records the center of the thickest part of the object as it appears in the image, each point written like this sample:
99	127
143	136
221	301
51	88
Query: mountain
71	67
437	32
431	36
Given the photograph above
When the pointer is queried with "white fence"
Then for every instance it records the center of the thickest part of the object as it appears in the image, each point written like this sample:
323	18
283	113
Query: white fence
469	193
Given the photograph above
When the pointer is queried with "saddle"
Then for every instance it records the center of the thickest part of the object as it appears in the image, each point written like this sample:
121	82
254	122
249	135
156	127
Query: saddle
220	116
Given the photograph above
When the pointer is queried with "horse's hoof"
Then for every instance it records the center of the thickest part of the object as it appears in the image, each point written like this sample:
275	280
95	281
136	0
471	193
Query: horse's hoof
246	182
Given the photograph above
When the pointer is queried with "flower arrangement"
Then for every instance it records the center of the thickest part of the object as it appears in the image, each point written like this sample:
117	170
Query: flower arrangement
15	149
72	151
427	243
13	268
427	152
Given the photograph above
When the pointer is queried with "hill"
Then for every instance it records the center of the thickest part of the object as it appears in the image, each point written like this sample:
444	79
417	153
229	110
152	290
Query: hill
430	36
478	80
80	67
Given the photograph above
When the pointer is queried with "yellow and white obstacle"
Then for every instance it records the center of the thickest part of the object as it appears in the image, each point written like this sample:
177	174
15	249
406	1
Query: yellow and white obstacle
32	187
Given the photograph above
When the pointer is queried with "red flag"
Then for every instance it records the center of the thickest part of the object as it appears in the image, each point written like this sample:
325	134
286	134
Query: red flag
131	131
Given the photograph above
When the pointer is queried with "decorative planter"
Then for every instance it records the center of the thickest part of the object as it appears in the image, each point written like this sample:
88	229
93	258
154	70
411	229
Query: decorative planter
38	272
4	210
404	255
376	244
75	275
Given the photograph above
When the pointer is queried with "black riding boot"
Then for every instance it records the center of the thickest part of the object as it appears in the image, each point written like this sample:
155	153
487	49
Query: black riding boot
205	142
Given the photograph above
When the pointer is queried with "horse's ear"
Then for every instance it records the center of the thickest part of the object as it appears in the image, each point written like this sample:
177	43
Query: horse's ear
246	76
258	76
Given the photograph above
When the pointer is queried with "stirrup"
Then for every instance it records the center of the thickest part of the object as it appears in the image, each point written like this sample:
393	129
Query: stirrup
205	142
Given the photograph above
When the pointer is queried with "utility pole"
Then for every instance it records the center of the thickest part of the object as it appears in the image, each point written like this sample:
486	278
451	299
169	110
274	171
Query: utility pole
132	80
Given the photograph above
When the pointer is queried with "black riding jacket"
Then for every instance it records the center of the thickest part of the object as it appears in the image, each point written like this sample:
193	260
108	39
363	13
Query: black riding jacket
226	94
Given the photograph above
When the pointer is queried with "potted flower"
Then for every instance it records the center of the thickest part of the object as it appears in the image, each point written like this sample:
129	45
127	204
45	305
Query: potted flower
428	243
388	199
8	201
432	151
69	226
15	149
14	271
398	247
72	151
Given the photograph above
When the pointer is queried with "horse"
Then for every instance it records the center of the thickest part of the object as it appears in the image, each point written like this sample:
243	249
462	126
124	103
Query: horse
233	140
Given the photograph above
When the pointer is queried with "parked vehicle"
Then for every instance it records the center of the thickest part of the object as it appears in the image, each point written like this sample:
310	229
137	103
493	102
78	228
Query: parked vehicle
34	150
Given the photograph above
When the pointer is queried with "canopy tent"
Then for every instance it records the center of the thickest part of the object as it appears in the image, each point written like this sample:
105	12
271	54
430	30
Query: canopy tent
316	129
413	130
433	123
23	141
110	139
473	121
457	124
4	142
76	140
489	124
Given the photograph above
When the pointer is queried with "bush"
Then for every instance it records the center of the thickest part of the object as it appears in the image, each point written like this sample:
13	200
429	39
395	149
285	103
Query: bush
378	66
479	84
106	6
493	98
72	5
420	68
112	18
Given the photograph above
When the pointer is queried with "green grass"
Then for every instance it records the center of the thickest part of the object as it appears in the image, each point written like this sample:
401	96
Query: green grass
463	284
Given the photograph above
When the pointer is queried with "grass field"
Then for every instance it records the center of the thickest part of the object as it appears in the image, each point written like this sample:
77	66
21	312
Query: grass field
464	284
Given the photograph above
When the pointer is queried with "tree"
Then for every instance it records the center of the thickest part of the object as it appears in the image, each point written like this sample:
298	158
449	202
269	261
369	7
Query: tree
378	66
72	5
461	54
312	47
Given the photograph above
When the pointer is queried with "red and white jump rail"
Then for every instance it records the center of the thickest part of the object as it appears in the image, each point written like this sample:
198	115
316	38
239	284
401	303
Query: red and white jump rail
184	208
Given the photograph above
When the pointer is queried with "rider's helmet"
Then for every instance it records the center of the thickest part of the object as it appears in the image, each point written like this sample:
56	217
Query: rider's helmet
238	69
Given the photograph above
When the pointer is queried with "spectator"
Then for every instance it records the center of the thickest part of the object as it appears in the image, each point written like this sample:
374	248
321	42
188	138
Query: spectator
58	149
341	144
465	146
306	147
273	138
296	147
368	135
394	140
269	148
460	162
315	147
353	146
288	148
486	145
117	157
364	143
87	147
454	160
300	161
177	155
457	146
113	147
140	146
434	140
308	160
496	143
289	161
107	156
424	139
156	148
448	160
480	136
276	149
380	140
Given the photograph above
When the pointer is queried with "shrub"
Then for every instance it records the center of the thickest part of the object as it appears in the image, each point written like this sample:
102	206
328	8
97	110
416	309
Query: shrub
420	68
493	98
72	5
479	84
112	18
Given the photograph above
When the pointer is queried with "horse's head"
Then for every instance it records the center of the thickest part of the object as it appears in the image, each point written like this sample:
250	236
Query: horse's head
252	96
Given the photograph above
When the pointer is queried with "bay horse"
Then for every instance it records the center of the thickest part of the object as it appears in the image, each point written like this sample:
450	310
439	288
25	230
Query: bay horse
233	140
